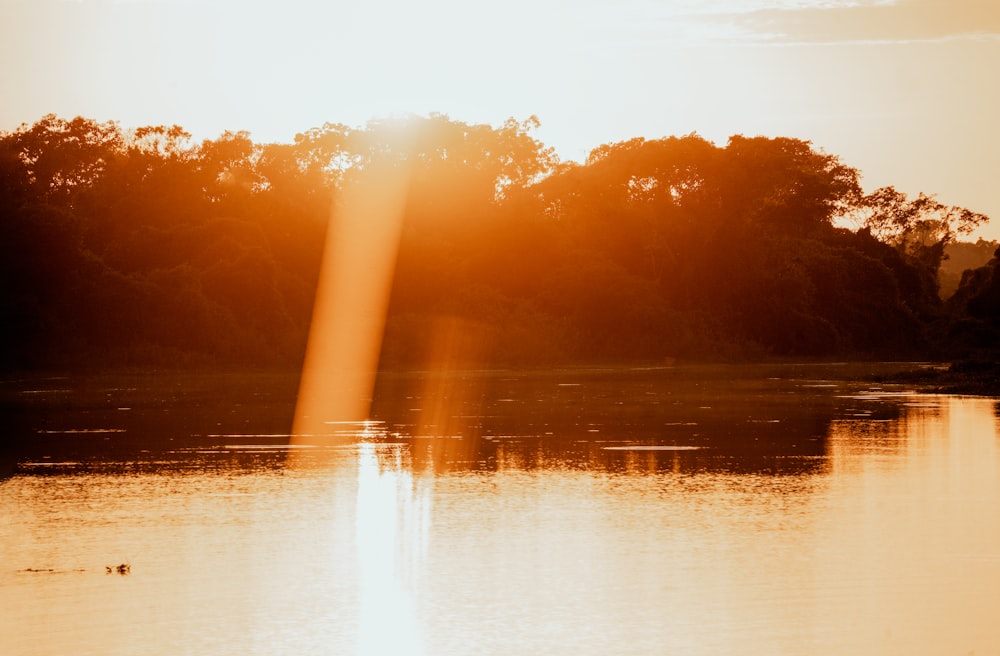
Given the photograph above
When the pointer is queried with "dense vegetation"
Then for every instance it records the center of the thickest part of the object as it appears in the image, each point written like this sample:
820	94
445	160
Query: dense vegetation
137	247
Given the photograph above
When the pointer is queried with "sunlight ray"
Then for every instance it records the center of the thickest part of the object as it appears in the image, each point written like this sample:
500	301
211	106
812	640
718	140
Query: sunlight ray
351	300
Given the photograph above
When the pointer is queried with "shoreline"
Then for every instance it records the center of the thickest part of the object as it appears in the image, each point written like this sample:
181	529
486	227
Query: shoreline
962	377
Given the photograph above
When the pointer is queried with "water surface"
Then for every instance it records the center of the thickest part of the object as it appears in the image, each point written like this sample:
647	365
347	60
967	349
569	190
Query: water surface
790	510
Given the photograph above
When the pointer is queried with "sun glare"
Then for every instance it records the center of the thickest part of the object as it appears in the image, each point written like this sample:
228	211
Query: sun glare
391	532
351	299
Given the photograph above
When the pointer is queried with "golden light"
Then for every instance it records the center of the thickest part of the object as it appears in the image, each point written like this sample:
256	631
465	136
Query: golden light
451	394
351	300
391	530
334	400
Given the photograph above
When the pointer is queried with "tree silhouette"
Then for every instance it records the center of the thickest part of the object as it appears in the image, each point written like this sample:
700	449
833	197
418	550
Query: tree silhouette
141	247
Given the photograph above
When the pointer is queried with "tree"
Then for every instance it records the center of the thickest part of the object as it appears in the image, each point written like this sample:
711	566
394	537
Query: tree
60	156
140	245
961	256
920	229
975	312
637	202
892	217
784	185
461	176
160	141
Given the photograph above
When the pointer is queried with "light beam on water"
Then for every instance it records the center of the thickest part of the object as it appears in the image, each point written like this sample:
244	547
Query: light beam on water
351	300
335	393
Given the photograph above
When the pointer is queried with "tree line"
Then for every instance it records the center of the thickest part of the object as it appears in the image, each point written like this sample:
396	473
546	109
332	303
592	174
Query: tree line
140	247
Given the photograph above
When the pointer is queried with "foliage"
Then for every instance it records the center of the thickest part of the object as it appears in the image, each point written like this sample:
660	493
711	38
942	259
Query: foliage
959	257
141	247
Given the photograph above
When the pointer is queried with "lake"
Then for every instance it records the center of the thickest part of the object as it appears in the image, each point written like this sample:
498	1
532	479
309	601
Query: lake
786	509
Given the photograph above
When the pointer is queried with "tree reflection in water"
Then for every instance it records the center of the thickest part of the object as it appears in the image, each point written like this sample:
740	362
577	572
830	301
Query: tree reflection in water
572	517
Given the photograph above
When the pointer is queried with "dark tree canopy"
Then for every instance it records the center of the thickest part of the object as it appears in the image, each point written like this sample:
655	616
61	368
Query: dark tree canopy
140	247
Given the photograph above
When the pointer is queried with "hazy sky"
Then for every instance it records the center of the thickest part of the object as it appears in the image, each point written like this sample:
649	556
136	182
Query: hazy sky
907	91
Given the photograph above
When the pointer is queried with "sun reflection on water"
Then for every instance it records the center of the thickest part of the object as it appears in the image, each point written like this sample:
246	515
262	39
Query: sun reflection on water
392	538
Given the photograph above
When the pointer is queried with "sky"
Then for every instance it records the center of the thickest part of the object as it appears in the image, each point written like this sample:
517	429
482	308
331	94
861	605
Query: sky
906	91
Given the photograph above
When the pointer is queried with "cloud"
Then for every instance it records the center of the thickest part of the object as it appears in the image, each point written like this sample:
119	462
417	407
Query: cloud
901	21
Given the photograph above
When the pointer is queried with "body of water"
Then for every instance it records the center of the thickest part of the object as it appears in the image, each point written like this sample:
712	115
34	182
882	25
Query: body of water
726	510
